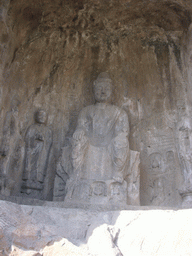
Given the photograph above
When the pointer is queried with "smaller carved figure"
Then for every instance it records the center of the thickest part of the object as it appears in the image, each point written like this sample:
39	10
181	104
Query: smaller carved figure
38	141
184	137
157	180
11	152
184	142
63	170
156	162
98	188
162	180
158	194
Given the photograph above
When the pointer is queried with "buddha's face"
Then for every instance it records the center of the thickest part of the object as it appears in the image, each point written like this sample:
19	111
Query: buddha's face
102	91
41	117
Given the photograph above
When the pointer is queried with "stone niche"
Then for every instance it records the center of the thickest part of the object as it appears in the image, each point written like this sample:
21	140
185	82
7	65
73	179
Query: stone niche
60	141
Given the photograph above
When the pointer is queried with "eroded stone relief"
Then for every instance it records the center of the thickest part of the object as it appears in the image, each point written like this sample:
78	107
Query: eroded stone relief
12	151
50	56
162	168
38	141
63	172
184	130
162	184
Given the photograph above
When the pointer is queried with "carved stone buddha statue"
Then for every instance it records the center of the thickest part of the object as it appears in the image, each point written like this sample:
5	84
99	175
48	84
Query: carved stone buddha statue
100	151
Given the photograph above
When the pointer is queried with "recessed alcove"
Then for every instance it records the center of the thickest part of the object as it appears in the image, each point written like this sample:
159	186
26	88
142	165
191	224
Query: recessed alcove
52	52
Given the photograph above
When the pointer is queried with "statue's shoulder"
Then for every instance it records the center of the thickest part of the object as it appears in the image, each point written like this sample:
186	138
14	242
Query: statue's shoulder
48	130
118	110
38	127
32	127
30	131
87	109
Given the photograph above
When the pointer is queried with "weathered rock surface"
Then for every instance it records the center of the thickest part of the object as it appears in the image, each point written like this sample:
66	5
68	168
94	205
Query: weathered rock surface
35	231
52	52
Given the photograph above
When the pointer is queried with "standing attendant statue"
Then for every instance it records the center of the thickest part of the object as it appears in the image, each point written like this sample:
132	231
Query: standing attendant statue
184	137
11	152
38	141
100	154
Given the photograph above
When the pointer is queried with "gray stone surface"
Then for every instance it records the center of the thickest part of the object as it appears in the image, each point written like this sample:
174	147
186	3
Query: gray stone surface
37	230
50	55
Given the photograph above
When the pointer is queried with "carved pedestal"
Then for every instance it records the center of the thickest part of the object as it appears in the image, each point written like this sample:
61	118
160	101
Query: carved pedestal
106	193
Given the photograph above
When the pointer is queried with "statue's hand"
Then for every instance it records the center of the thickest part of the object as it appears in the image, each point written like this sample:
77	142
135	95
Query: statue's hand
78	134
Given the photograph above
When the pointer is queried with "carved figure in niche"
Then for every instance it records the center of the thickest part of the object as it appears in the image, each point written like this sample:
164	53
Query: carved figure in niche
133	179
157	184
12	151
156	162
99	188
63	171
170	170
38	141
184	136
162	180
100	154
158	192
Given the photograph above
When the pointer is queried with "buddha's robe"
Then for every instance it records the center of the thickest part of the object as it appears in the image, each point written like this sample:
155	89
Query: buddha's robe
38	144
103	151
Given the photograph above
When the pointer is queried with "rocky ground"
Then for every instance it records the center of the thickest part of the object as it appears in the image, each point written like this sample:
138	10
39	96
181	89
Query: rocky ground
40	230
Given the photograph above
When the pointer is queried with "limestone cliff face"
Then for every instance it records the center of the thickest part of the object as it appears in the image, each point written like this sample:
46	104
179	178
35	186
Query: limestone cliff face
52	51
35	231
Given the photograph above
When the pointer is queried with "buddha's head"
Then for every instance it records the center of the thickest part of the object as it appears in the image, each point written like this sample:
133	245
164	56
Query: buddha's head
41	116
103	88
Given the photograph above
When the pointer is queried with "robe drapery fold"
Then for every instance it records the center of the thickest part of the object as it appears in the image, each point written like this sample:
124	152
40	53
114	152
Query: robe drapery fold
103	150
